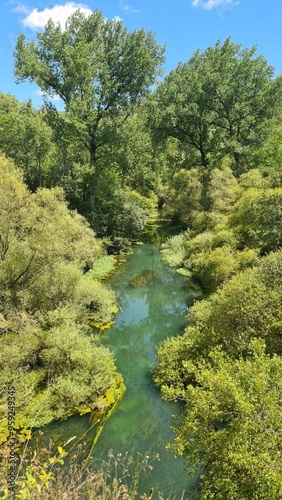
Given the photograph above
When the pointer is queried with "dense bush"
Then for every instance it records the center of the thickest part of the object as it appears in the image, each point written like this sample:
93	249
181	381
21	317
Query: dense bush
46	304
231	426
230	387
257	219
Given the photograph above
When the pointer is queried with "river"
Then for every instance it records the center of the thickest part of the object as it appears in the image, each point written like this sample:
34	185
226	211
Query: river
142	421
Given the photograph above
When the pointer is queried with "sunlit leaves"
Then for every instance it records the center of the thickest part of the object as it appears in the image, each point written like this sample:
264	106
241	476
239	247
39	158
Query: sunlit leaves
231	426
25	137
257	218
96	66
47	304
218	101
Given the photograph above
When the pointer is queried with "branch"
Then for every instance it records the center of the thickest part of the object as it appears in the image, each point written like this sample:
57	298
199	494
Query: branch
25	270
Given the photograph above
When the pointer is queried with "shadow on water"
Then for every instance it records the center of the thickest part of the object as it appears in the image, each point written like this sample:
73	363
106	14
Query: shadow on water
142	422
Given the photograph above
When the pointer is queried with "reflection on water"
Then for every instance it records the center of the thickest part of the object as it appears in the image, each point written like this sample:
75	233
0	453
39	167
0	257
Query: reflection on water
149	315
141	423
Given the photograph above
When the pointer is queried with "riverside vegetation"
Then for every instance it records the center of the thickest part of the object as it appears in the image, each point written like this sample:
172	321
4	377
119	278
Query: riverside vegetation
78	187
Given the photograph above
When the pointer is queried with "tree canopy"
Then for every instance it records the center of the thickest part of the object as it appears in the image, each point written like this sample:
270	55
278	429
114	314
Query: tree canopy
218	101
27	139
96	67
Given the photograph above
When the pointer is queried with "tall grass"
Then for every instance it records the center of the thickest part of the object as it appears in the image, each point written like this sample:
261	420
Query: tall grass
50	474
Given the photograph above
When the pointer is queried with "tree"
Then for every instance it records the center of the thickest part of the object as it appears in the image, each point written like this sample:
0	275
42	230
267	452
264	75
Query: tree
218	101
268	157
257	218
27	139
133	151
181	108
244	96
223	190
44	248
183	198
95	65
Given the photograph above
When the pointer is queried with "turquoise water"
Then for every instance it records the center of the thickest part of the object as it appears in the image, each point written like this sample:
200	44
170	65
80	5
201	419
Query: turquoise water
142	421
149	315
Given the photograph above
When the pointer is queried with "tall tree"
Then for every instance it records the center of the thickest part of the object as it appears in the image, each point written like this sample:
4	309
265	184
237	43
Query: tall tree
182	109
95	65
243	96
218	101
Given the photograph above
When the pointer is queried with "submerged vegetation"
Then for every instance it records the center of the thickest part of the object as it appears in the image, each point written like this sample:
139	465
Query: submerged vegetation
202	151
143	279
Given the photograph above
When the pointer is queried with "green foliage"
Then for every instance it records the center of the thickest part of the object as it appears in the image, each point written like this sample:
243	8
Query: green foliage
183	198
181	110
44	246
209	256
253	179
55	370
257	218
174	250
95	65
117	212
222	104
240	222
231	389
102	72
214	267
103	267
268	157
223	190
218	102
245	308
46	304
248	257
231	426
140	162
27	139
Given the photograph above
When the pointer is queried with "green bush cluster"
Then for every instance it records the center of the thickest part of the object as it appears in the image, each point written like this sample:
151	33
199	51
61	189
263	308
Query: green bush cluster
226	367
47	300
241	223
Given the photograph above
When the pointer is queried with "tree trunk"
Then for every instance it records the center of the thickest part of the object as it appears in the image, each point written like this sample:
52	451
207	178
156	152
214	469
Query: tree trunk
203	158
92	151
237	166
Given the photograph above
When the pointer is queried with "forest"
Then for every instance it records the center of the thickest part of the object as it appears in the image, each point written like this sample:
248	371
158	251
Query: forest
200	148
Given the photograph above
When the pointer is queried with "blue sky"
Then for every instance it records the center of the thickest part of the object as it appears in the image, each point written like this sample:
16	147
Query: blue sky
183	25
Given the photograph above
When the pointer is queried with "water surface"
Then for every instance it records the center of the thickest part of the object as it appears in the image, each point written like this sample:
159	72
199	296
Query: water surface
149	315
142	421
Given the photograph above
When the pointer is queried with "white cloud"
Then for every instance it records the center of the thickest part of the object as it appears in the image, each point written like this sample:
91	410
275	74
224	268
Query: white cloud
21	8
117	19
59	14
53	97
211	4
127	7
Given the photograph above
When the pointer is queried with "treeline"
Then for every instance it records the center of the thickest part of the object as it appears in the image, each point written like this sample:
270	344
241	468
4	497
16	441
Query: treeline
205	148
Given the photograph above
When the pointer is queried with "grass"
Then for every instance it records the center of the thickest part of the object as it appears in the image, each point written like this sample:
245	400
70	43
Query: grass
44	475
